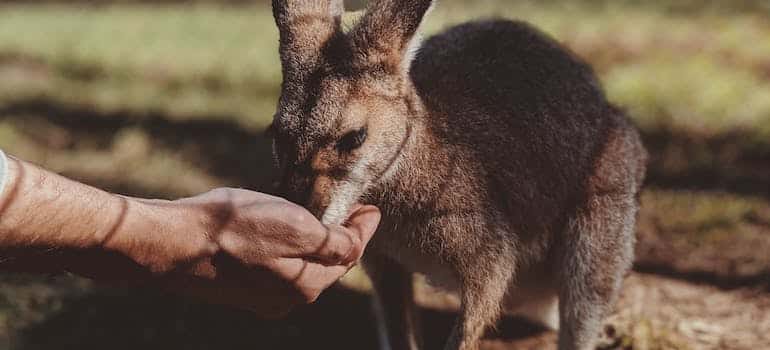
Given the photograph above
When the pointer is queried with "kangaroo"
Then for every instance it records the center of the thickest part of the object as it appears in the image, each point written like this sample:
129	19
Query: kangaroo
501	170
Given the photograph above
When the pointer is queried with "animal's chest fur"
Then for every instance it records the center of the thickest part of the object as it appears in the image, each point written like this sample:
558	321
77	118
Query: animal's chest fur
417	259
428	224
420	247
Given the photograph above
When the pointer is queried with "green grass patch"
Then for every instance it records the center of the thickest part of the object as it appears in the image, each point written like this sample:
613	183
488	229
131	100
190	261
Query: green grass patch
188	61
689	70
696	95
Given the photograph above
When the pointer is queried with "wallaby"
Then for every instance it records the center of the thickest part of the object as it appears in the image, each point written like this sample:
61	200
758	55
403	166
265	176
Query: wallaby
501	169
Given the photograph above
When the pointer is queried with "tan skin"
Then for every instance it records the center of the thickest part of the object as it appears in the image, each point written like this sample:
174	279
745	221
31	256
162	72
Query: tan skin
229	246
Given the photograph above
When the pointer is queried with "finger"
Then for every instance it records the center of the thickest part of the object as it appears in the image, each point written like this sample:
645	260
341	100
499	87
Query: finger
338	246
363	222
360	228
310	278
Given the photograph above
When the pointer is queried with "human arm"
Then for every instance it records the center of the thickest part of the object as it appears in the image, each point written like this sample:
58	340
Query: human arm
229	246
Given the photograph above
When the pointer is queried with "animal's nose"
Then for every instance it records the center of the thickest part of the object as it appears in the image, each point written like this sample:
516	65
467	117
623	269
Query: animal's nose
307	191
295	189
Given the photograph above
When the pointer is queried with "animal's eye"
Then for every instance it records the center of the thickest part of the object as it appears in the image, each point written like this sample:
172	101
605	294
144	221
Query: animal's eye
352	140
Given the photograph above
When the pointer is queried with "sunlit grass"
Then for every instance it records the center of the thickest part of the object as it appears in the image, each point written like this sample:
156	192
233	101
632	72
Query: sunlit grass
691	70
695	94
187	61
186	43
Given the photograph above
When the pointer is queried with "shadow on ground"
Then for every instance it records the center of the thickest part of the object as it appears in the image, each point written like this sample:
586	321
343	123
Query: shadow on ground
729	162
341	319
734	162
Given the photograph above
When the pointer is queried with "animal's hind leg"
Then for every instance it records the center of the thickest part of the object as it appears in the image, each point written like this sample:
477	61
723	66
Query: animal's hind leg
597	253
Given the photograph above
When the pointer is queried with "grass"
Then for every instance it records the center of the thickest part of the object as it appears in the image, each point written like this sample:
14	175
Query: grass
190	61
698	96
683	70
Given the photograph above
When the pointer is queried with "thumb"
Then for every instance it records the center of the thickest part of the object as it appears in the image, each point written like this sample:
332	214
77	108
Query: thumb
363	223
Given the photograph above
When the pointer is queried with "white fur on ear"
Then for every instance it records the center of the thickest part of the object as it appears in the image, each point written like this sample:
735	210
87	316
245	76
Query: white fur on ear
415	43
411	52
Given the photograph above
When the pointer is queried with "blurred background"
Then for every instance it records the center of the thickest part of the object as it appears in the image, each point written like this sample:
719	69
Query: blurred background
168	99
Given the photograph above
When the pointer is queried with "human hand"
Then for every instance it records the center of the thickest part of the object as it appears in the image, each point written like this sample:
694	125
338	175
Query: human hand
230	246
248	249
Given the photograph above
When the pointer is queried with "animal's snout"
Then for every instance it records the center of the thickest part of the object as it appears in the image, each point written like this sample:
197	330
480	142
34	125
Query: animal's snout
295	188
308	191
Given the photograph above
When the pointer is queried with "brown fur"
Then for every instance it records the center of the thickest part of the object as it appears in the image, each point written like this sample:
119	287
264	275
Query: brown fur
500	167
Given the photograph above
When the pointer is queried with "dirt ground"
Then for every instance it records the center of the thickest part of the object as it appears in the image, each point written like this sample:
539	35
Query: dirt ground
661	313
653	312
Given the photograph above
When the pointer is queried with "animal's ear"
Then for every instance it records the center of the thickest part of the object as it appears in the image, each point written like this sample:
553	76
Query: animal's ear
386	34
305	26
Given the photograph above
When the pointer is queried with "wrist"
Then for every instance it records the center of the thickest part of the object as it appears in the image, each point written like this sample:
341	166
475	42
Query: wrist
160	236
